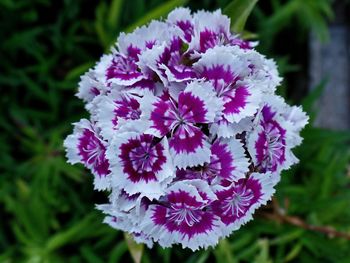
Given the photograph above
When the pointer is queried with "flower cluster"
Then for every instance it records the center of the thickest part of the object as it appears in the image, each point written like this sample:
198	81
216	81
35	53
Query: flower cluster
185	130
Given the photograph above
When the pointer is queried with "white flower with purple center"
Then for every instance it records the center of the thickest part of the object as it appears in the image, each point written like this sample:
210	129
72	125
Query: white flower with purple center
140	164
86	146
185	131
181	121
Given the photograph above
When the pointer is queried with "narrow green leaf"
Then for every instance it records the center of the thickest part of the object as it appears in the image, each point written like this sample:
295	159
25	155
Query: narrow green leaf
263	256
89	255
100	27
287	237
114	13
223	252
156	13
239	11
118	251
136	250
74	233
294	252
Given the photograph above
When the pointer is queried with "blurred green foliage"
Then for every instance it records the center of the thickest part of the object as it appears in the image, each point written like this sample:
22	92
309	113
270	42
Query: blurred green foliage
47	206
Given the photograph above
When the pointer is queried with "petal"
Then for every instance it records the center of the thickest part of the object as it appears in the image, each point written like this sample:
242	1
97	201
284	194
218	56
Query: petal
225	129
240	103
145	84
142	238
163	117
200	103
147	37
114	108
119	220
89	87
189	147
118	69
149	62
294	117
263	72
203	189
182	18
221	62
228	159
243	44
210	28
124	212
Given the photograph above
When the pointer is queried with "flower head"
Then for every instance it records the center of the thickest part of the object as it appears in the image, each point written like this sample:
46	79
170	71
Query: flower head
186	132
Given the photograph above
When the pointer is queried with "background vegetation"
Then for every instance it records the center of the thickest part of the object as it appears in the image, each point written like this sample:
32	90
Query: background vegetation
47	206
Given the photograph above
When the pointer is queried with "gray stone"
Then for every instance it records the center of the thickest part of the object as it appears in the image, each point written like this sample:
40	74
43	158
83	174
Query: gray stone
331	61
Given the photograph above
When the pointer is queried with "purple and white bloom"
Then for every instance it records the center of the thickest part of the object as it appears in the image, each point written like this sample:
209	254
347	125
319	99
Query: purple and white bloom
227	163
140	164
181	119
119	69
270	143
90	87
168	61
185	131
120	107
181	217
86	146
237	202
227	73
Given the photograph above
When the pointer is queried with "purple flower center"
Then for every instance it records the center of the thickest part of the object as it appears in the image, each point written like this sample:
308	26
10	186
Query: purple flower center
123	68
182	213
141	158
210	171
174	58
127	108
235	201
238	203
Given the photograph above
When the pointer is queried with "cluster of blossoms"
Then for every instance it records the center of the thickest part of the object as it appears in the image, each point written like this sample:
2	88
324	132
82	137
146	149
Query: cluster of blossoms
185	131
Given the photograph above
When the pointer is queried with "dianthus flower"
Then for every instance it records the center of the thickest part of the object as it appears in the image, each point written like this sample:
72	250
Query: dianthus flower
185	130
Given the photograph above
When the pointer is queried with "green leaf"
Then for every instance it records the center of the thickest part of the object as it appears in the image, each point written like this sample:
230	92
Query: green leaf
136	250
78	231
293	253
287	237
263	255
239	11
118	251
100	27
114	13
156	13
89	255
223	252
